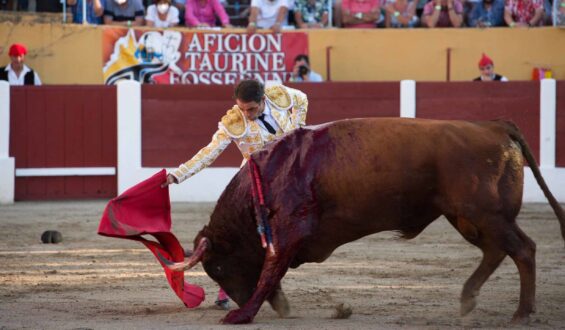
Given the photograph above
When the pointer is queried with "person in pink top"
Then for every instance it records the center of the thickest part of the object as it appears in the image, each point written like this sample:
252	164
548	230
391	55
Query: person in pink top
361	13
203	13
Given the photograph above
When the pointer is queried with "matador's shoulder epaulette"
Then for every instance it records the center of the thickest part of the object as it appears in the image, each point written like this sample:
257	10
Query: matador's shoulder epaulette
279	96
234	122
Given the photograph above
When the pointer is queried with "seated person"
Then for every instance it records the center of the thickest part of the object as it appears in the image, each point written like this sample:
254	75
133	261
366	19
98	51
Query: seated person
443	13
559	12
487	13
48	6
162	14
311	14
486	66
124	13
360	13
401	13
16	73
203	13
94	11
268	14
524	13
302	71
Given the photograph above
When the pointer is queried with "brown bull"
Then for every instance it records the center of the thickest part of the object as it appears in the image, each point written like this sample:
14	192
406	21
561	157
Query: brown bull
335	183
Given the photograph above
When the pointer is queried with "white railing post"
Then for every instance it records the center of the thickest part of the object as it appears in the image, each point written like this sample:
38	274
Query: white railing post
408	99
7	163
129	133
548	96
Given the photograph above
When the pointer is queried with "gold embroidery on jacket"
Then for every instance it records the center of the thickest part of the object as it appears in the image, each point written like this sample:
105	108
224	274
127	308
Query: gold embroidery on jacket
279	96
234	122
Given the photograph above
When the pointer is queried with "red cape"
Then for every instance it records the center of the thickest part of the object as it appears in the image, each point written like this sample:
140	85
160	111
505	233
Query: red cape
145	209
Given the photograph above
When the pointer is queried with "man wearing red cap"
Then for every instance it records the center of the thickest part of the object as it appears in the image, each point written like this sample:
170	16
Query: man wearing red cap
17	73
486	66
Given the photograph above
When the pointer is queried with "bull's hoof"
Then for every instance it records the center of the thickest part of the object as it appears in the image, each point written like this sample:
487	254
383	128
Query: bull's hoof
522	317
237	317
520	320
280	304
467	305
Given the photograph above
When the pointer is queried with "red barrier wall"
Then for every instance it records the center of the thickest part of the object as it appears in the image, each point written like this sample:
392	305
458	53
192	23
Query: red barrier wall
516	101
75	126
560	126
179	120
63	126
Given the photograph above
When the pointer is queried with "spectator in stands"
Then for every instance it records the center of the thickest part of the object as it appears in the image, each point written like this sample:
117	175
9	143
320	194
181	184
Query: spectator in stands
180	4
401	13
21	5
487	13
17	73
268	14
302	71
311	14
51	6
203	13
94	10
360	13
523	13
443	13
124	12
162	14
486	66
559	12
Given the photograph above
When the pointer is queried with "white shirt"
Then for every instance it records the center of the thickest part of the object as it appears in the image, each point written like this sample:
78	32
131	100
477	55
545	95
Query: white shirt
19	81
153	15
268	11
268	118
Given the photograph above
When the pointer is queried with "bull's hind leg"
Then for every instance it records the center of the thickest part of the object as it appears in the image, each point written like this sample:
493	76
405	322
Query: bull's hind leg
492	257
523	251
498	237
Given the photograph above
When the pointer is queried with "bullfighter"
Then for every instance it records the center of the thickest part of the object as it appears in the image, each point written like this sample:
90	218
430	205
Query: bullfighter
259	116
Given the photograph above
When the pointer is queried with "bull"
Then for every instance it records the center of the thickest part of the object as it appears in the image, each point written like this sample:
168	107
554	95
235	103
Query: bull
328	185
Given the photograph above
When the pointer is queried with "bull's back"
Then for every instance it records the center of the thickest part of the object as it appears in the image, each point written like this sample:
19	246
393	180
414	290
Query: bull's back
401	174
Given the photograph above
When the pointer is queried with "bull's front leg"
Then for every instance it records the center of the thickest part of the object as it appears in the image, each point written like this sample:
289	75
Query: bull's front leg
274	269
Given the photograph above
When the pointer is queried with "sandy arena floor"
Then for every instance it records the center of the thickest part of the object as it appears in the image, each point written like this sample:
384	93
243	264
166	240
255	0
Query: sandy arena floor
95	282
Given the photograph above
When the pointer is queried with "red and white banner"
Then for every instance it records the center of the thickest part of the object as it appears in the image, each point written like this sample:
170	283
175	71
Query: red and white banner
175	57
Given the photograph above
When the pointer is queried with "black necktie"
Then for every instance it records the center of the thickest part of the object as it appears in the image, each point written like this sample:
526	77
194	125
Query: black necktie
267	125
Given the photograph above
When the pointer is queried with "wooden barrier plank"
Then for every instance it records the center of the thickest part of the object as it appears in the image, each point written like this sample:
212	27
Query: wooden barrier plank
515	101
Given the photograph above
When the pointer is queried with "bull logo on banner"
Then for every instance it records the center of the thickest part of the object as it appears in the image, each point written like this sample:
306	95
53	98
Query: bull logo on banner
154	54
175	57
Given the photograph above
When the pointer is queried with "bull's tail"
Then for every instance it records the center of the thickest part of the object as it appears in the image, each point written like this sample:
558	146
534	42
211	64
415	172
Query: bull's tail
516	135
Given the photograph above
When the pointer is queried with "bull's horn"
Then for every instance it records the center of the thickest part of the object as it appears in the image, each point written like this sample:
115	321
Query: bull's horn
193	259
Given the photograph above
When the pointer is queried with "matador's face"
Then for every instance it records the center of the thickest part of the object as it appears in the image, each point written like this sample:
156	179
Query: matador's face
251	110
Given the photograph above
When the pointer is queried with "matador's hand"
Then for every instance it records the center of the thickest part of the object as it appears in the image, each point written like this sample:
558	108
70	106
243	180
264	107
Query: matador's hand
170	180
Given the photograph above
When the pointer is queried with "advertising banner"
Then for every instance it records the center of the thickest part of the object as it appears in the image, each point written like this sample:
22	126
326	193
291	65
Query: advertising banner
175	57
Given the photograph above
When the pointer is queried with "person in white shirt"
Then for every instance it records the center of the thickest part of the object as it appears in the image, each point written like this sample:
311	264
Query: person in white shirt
486	66
17	73
162	15
268	14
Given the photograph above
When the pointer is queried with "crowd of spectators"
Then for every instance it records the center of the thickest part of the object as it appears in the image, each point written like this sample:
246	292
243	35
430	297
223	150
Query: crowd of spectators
277	15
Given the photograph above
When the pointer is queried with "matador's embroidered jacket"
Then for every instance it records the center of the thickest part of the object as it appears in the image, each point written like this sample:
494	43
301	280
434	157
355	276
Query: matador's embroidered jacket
288	108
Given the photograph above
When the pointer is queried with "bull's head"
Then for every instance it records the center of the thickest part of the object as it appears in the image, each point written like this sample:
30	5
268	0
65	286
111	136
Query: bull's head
230	251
